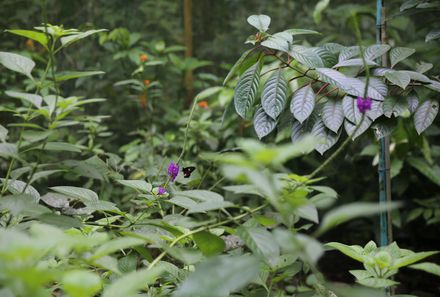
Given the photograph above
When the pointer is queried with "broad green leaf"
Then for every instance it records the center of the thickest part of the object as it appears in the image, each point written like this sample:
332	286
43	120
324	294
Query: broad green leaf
263	123
261	242
425	115
3	134
325	138
301	31
76	74
394	106
350	109
31	98
422	67
17	63
350	85
274	96
308	212
357	62
8	150
23	205
348	53
220	276
39	37
427	267
139	185
208	93
431	172
60	221
328	58
199	200
81	283
209	243
350	128
303	103
432	35
188	256
411	258
361	274
133	282
374	282
351	211
67	40
375	51
260	22
333	115
17	187
246	90
62	146
306	56
81	194
319	8
398	78
280	41
240	64
398	54
346	250
116	245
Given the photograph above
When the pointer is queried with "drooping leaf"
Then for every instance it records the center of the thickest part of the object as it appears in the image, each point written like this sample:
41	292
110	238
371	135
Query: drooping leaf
17	187
17	63
31	98
350	109
81	194
425	115
247	55
427	267
23	205
274	95
209	243
246	90
350	128
398	78
263	123
219	275
260	22
326	138
303	103
8	150
261	242
398	54
333	115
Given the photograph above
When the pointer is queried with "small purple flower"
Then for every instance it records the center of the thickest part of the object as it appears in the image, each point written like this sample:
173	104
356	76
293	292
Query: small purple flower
363	104
173	170
161	191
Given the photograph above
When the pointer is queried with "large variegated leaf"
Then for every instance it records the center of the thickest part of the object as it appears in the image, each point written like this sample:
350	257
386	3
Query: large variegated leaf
328	58
303	102
413	102
398	78
416	76
376	110
246	90
350	85
425	115
333	115
349	127
375	51
398	54
263	124
306	56
274	95
348	53
326	138
378	85
351	110
241	64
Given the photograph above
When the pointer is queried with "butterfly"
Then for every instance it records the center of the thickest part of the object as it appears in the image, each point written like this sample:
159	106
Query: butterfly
187	171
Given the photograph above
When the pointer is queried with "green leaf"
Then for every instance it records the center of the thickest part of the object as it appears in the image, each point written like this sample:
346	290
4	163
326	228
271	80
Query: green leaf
326	138
17	187
394	106
432	35
263	123
274	95
240	64
427	267
319	8
350	109
261	242
39	37
374	282
354	62
303	103
208	93
301	31
81	283
351	211
66	75
31	98
139	185
260	22
411	258
81	194
280	41
361	274
333	114
22	204
67	40
398	78
375	51
209	243
199	200
220	276
425	115
306	56
17	63
398	54
131	283
8	150
246	90
431	172
188	256
61	146
346	250
116	245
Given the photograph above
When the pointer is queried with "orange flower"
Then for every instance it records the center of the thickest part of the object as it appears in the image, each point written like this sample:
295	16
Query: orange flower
203	104
147	82
30	44
143	57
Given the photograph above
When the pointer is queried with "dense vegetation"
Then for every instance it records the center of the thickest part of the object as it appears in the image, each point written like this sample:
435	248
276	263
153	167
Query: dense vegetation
136	160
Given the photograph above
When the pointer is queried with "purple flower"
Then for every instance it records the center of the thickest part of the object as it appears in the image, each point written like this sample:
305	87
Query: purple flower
173	170
363	104
161	191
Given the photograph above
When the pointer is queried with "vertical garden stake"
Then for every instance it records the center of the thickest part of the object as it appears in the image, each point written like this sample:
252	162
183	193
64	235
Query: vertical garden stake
384	152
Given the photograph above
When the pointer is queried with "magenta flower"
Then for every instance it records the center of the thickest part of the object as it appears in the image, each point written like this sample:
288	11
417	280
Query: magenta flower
161	191
173	170
363	104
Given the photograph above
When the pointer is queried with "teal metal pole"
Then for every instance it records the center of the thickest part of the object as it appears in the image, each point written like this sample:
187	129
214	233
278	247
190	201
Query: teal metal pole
385	226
